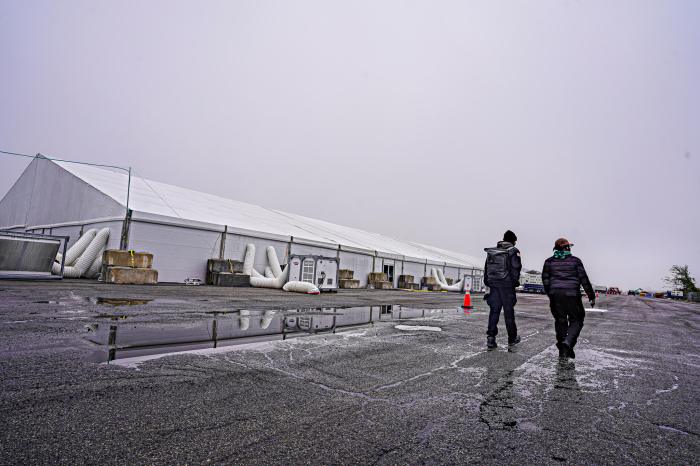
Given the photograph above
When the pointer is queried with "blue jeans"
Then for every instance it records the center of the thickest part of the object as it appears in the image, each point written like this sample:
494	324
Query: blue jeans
502	298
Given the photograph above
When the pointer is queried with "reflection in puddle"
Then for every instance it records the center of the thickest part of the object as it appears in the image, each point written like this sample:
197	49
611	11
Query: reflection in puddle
123	339
519	399
118	301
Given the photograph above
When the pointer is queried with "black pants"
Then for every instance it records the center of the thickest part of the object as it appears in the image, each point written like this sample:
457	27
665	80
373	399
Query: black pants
502	298
568	315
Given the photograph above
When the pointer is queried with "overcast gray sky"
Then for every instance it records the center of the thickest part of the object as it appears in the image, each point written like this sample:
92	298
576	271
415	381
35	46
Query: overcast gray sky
441	122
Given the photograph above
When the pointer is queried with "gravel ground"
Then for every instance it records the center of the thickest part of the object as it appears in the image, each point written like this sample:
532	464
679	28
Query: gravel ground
411	387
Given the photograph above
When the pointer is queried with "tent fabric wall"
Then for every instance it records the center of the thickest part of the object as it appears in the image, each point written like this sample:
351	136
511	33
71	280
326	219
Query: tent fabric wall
236	244
47	194
178	253
451	272
415	269
72	231
305	249
361	264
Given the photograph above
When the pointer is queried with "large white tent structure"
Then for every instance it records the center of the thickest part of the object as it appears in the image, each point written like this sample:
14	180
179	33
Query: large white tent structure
183	228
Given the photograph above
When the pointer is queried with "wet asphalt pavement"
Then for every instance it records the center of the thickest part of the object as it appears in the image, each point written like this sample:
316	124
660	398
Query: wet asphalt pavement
411	383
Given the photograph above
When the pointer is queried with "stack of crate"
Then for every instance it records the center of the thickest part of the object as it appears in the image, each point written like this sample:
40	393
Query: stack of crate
226	272
429	283
406	283
128	267
346	280
379	281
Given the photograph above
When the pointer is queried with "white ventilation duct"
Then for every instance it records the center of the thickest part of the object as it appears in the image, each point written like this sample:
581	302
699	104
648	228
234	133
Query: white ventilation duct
267	319
87	258
94	270
271	278
301	287
440	278
249	259
84	258
274	261
74	251
263	282
245	319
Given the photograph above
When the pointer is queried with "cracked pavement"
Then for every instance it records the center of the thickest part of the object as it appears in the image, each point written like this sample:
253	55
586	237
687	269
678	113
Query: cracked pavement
367	394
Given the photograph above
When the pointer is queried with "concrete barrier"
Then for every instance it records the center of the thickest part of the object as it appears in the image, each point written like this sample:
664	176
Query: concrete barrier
130	276
121	258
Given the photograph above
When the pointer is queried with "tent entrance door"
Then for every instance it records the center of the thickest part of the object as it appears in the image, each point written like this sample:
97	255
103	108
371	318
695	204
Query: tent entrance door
389	271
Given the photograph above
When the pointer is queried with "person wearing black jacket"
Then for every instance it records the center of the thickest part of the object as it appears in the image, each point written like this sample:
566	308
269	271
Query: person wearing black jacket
563	275
502	276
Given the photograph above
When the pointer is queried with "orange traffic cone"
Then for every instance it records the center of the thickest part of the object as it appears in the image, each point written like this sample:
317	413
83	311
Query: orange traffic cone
467	301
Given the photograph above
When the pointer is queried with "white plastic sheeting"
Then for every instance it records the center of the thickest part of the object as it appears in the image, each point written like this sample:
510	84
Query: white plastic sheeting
84	258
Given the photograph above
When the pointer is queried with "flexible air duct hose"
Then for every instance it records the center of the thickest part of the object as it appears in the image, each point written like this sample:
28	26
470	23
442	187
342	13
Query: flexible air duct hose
267	319
86	259
274	261
80	246
301	287
440	278
74	251
263	282
96	266
256	274
249	259
245	319
268	272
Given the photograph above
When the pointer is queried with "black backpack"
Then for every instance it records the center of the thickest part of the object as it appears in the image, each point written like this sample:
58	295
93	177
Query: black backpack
498	262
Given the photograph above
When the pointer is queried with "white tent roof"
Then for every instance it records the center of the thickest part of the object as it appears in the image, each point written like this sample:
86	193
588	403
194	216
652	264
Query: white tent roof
162	199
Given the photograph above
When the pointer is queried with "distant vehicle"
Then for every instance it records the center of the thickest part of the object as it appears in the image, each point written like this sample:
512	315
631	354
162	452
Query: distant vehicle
193	281
600	289
632	292
676	294
614	290
533	288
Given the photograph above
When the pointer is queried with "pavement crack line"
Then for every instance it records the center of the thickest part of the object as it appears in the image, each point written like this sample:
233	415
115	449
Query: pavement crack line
452	365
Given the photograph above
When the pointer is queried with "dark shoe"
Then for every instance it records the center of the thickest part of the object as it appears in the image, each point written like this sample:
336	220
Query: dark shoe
514	341
563	352
491	342
572	355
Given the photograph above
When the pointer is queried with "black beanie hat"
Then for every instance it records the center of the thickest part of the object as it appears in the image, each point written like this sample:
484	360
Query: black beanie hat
510	237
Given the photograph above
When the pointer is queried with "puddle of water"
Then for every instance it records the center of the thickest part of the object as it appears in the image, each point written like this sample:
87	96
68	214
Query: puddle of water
417	328
119	301
123	339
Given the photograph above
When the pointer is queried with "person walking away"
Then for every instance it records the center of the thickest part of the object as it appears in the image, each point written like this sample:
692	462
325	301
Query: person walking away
502	276
563	275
